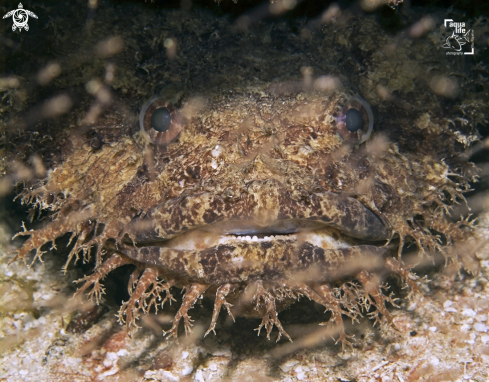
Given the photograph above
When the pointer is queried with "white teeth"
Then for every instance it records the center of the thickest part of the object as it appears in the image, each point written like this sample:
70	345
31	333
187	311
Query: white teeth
258	239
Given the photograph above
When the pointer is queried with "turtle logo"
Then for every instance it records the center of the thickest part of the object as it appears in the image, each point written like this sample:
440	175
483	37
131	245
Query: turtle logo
20	17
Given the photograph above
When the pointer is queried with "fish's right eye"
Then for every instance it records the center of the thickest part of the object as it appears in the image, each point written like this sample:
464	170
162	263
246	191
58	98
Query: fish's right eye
159	121
355	122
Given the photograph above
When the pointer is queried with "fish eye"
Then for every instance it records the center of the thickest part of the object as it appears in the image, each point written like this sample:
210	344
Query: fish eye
355	122
159	121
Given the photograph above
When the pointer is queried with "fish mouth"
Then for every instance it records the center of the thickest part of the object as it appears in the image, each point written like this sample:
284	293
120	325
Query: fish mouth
230	232
207	238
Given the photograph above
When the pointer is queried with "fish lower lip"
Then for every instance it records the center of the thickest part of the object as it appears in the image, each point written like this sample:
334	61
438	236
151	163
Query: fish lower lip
204	256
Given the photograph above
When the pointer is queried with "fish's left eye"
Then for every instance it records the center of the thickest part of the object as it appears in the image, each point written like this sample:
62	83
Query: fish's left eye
355	122
159	121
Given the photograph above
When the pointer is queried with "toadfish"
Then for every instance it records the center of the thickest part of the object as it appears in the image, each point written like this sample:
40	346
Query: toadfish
262	195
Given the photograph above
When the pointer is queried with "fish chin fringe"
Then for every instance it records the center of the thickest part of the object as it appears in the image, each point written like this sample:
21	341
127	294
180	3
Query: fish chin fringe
350	298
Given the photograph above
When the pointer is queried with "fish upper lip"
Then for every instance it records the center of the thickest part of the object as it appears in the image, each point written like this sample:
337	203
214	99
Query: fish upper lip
267	209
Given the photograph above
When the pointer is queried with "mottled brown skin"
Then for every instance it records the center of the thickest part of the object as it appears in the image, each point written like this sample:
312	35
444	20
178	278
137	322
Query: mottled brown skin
259	162
258	153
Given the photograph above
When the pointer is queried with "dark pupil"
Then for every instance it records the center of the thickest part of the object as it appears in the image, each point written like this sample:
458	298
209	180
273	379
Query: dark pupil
161	119
354	120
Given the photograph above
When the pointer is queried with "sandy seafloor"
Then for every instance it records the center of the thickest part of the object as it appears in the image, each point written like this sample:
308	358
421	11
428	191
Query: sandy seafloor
441	335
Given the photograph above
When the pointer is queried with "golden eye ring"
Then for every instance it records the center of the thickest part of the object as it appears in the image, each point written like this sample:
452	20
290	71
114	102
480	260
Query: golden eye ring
159	121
